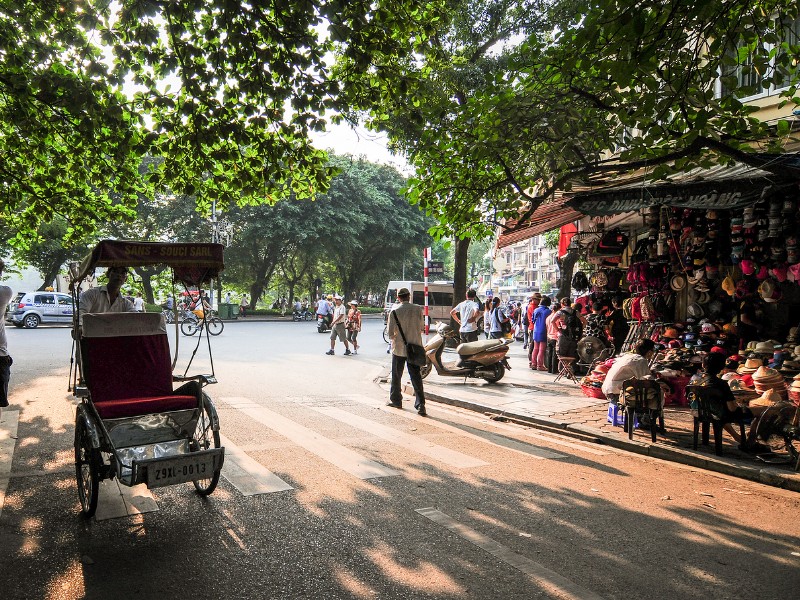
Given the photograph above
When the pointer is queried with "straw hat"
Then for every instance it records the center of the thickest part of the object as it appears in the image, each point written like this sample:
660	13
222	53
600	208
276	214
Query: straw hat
764	347
766	374
751	365
768	398
677	282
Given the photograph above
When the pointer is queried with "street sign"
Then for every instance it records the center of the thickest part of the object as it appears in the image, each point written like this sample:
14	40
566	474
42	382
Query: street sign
436	267
489	293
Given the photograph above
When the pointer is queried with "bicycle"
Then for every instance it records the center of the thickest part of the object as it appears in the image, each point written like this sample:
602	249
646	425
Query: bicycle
191	324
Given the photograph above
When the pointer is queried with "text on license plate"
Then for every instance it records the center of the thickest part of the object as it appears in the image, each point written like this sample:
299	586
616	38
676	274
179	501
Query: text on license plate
180	471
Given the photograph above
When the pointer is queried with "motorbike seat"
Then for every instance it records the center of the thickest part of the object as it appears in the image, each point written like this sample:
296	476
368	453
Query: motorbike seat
472	348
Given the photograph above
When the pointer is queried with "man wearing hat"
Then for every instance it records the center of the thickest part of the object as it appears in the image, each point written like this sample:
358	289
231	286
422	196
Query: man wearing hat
411	319
5	359
337	326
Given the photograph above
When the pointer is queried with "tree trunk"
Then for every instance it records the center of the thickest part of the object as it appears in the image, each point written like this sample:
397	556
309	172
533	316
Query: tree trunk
459	274
460	269
49	277
566	267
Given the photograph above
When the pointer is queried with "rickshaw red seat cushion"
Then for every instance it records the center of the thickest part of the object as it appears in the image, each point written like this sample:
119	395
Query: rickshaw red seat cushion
132	407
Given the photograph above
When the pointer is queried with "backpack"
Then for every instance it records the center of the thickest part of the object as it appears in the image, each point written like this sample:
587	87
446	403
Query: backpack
573	329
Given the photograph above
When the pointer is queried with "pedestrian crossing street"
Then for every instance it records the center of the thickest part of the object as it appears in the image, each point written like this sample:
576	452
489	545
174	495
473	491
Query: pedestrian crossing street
250	477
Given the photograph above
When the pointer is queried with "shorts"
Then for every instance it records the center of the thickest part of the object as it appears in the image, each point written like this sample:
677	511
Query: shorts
338	331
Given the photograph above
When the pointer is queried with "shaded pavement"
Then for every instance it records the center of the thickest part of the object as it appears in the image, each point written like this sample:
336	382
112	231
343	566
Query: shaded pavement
533	398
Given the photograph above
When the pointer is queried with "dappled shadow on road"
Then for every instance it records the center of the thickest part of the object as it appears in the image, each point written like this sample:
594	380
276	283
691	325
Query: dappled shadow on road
363	539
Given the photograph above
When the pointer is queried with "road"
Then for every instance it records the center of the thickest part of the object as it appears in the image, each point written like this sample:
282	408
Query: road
373	502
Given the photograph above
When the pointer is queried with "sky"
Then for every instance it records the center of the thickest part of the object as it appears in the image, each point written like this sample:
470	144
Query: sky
342	139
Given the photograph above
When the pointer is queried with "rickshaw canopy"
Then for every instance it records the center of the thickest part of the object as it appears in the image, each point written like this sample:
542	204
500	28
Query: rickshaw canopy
192	263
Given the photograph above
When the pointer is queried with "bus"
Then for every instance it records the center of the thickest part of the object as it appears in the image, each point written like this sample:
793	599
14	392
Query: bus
440	297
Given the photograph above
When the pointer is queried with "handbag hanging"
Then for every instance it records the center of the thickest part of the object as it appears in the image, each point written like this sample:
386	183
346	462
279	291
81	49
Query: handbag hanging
414	352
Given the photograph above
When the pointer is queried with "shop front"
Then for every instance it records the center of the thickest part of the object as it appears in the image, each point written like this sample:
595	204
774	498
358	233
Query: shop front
708	262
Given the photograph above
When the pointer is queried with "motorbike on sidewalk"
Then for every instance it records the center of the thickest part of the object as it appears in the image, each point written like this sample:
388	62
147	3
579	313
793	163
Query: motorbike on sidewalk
484	359
324	323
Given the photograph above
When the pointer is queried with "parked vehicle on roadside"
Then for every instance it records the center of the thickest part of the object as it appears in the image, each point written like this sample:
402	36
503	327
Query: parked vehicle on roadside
440	297
484	359
29	309
302	315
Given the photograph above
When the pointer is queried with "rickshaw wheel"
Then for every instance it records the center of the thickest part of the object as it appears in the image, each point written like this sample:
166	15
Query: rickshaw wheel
204	438
189	327
87	469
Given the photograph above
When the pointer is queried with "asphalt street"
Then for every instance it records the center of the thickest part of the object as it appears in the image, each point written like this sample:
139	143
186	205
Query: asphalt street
327	493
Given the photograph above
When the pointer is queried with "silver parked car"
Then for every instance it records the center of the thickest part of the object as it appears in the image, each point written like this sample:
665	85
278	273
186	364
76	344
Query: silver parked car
31	308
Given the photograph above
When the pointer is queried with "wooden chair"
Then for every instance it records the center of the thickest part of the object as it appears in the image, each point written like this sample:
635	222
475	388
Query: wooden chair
640	396
709	405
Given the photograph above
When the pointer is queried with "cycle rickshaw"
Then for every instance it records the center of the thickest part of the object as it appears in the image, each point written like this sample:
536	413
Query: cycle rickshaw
131	424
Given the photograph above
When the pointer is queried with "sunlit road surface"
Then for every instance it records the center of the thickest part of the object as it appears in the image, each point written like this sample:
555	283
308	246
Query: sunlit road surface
327	493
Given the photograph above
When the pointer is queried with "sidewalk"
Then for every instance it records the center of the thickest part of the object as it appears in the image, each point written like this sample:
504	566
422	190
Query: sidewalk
532	398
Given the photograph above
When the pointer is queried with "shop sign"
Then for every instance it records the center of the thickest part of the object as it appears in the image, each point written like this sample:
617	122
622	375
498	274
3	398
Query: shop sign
720	196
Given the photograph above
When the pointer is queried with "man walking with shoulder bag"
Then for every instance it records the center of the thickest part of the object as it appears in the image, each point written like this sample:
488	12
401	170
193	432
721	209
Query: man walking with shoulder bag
406	321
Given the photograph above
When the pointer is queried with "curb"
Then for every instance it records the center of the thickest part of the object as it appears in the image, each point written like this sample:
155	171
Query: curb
766	475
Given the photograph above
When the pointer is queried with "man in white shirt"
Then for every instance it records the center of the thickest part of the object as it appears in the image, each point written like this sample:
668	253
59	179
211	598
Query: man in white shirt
107	298
138	302
466	315
631	364
5	359
337	326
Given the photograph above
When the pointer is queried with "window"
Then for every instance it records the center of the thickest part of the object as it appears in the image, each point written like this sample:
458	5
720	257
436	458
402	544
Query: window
44	299
745	79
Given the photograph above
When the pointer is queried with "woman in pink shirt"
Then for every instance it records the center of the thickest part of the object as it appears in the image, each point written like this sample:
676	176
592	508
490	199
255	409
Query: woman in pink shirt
550	360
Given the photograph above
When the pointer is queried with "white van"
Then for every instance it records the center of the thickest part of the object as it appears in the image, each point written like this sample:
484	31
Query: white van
440	297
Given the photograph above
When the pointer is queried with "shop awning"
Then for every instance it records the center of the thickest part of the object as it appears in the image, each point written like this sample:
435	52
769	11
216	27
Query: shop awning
721	187
551	215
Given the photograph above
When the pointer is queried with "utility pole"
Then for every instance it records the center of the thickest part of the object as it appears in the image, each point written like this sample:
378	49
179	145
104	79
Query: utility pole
214	240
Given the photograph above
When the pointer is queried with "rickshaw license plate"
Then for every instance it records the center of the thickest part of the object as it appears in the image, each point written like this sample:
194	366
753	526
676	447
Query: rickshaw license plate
180	470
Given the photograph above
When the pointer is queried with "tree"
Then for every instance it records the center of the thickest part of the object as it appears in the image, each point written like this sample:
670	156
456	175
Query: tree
615	87
420	108
165	217
377	229
46	252
227	93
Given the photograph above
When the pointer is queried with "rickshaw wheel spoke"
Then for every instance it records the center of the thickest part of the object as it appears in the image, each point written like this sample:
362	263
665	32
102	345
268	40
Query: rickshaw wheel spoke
204	438
87	469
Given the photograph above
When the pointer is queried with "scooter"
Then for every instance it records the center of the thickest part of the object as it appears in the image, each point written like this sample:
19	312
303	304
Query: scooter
484	359
301	315
324	323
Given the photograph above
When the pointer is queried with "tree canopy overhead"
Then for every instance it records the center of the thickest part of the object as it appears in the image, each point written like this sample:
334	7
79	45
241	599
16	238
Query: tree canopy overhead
226	93
610	86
